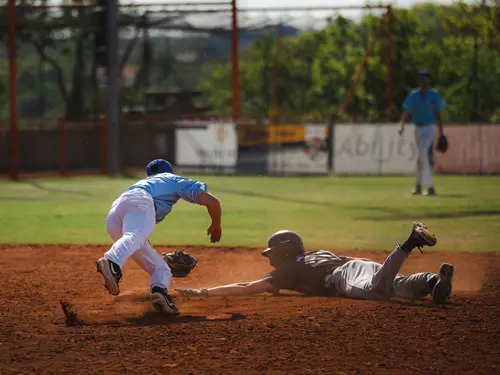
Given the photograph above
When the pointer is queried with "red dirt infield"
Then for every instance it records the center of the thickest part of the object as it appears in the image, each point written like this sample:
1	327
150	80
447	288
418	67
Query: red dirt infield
287	334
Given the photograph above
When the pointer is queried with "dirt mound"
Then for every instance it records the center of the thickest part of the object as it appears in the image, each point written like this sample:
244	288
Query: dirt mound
58	318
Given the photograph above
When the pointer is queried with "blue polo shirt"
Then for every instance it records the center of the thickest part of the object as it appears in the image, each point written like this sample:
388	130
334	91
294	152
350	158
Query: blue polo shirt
423	107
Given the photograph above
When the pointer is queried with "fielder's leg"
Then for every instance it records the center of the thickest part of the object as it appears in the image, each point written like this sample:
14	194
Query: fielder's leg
418	175
111	271
161	277
135	214
426	141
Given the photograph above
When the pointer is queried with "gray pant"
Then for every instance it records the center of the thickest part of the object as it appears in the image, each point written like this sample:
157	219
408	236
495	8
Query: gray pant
360	279
424	136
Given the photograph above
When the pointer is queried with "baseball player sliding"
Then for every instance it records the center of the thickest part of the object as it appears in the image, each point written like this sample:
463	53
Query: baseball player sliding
323	273
132	219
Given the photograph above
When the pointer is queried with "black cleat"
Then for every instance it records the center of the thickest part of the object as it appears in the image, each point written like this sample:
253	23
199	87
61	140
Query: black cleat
162	302
430	191
112	275
417	190
421	236
442	290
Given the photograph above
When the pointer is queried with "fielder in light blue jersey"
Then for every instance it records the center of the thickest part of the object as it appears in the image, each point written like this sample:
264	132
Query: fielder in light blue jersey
132	219
424	105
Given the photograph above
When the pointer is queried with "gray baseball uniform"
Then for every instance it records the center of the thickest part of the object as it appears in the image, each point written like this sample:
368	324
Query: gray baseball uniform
326	274
360	279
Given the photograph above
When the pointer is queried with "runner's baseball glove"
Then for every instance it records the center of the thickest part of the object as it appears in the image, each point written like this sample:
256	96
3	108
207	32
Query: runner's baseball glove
442	144
180	262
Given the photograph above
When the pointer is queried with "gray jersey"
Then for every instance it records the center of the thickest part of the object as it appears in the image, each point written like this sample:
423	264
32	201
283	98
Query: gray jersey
306	273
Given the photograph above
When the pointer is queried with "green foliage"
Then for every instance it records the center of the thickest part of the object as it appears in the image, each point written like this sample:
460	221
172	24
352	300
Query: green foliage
307	76
55	67
312	73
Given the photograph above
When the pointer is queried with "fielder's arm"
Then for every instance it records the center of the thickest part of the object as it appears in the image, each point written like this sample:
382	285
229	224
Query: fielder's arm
404	119
440	122
215	211
238	289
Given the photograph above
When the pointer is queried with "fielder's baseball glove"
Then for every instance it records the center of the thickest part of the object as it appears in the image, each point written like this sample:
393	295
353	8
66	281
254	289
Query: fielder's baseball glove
442	144
180	262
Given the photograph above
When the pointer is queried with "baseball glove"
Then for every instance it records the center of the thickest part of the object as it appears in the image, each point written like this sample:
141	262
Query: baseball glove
442	144
180	263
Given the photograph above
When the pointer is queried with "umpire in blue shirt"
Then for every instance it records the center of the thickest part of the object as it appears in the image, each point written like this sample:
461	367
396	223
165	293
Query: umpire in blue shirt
424	105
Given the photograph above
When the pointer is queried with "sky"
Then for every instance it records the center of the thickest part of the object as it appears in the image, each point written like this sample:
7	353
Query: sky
298	3
300	19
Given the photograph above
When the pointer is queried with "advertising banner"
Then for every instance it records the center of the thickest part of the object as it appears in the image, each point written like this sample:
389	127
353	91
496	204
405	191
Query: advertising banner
299	149
472	149
213	146
373	149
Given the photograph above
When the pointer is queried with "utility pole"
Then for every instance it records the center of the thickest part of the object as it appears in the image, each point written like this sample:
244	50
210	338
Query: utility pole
13	130
113	88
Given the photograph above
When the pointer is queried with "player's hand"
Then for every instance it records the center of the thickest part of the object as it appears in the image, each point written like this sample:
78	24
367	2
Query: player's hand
187	292
215	232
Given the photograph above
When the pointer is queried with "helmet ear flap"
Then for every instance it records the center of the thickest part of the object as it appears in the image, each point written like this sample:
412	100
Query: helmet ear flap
282	251
277	260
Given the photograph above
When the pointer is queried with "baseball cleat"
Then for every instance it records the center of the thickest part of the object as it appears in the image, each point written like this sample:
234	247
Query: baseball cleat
112	275
442	290
417	190
430	191
162	302
421	236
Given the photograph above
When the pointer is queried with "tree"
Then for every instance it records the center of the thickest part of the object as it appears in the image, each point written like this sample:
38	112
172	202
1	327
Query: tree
310	74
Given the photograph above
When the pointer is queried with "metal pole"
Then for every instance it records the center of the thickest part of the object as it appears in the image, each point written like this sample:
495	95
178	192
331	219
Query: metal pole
113	88
13	133
274	83
146	53
361	68
390	73
235	59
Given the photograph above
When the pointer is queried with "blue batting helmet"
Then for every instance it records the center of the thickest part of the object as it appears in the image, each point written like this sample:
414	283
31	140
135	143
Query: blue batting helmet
159	166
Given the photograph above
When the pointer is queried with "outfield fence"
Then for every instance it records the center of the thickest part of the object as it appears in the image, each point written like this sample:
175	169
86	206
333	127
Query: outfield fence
294	149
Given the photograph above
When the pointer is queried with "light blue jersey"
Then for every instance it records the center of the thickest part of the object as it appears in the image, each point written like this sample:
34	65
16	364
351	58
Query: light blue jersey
166	189
423	107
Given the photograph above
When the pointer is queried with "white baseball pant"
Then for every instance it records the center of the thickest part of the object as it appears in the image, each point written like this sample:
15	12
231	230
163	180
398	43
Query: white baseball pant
130	223
360	279
424	137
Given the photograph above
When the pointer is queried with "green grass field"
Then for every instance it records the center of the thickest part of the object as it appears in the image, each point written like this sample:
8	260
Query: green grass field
329	212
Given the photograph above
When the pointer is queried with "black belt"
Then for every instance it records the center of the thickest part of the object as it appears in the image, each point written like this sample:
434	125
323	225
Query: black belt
423	123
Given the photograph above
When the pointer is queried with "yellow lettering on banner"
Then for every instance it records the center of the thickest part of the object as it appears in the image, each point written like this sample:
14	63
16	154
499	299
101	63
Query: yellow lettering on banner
286	134
259	135
252	135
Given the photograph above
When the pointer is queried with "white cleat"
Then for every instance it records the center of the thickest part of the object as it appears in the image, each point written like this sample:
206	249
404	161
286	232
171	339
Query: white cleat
442	290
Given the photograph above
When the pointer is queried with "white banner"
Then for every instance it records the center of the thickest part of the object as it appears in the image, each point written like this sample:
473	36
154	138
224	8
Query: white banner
309	156
214	146
374	149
